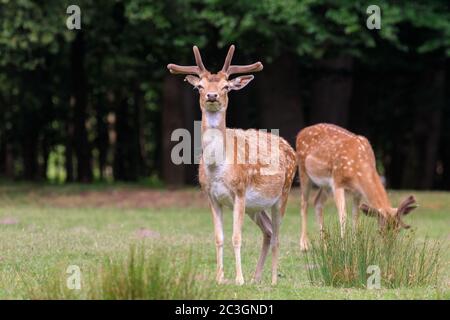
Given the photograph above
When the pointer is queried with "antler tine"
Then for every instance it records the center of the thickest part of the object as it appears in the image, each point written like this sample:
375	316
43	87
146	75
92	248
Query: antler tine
176	69
227	62
408	202
228	69
407	206
255	67
198	59
199	69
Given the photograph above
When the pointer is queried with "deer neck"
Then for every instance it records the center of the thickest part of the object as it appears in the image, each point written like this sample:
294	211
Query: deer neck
375	193
214	132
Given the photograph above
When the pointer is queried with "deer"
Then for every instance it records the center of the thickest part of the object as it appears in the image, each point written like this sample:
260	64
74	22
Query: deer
227	175
336	159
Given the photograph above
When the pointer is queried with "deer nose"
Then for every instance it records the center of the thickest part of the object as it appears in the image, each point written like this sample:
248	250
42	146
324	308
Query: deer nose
211	96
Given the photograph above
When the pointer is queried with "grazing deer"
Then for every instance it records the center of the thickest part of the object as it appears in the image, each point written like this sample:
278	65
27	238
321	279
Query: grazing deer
227	174
334	158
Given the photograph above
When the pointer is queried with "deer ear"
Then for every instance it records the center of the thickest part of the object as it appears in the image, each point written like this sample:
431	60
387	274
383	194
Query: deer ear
192	80
240	82
369	211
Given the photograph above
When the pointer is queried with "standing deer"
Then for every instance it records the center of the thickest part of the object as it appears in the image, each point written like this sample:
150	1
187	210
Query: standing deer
334	158
229	177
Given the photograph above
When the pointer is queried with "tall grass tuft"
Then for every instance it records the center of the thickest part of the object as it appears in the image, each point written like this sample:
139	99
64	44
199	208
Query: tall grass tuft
343	262
160	275
153	273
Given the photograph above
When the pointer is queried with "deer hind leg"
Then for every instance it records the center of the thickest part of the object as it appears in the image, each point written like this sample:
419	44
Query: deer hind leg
238	217
305	187
319	201
355	209
265	224
274	242
339	198
216	210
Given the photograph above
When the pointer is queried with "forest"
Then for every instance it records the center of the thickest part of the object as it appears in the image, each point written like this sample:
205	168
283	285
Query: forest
98	103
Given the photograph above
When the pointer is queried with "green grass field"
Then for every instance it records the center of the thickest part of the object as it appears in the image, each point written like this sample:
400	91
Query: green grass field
44	229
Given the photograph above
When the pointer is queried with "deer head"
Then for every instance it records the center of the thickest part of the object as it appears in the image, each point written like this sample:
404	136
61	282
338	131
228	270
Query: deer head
213	88
393	218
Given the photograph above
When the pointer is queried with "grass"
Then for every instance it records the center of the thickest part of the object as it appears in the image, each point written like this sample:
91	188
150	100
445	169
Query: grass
143	274
398	259
41	236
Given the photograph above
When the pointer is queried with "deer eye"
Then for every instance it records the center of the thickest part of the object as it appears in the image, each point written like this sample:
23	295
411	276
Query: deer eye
199	87
226	88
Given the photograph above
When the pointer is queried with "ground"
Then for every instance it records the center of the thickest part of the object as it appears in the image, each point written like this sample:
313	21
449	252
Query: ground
45	227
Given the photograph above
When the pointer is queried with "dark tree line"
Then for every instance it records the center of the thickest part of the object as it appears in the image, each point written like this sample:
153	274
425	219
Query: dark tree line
98	103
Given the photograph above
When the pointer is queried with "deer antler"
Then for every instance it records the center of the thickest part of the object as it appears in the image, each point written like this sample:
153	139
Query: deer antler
228	69
199	69
407	206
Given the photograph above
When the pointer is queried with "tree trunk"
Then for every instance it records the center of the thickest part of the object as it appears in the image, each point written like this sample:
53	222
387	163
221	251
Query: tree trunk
70	177
428	123
138	132
45	152
30	153
444	169
102	139
361	102
280	99
79	96
8	170
172	118
332	91
192	113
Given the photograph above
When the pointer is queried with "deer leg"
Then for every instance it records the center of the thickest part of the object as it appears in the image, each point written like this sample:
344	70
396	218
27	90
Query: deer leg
355	209
319	201
216	210
339	198
305	187
274	242
264	223
238	216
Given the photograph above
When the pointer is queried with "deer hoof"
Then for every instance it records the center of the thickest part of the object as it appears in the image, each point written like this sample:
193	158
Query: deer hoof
220	279
304	244
239	281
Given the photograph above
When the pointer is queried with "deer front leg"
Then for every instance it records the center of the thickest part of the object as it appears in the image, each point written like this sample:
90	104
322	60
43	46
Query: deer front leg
339	198
217	215
238	217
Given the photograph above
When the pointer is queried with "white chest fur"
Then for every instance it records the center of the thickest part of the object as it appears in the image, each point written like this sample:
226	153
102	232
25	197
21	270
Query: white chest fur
218	189
214	119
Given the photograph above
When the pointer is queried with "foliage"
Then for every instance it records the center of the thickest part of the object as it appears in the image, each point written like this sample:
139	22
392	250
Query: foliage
345	262
127	45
